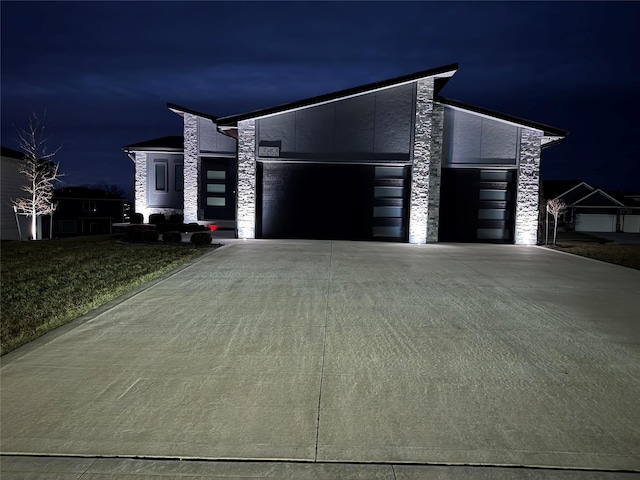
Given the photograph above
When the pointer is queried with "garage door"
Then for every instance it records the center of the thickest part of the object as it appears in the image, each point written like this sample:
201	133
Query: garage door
331	201
592	222
476	205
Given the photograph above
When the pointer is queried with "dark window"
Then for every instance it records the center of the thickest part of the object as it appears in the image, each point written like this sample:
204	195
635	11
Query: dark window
88	206
68	226
161	176
179	178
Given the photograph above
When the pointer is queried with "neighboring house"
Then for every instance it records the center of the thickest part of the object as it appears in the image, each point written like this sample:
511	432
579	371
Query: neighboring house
84	211
13	227
390	160
592	209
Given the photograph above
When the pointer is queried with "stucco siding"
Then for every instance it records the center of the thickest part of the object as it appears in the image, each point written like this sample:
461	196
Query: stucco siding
210	140
373	126
471	139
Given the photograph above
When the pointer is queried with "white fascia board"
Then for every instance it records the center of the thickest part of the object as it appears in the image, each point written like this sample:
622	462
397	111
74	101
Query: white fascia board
447	74
169	152
603	193
573	188
490	117
179	112
550	139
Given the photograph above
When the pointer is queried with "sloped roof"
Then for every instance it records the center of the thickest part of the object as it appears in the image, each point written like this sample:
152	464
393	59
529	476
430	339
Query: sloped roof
11	153
445	72
555	188
583	194
170	143
547	129
597	198
179	109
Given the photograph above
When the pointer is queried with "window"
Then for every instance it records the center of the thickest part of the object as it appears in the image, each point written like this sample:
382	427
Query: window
161	176
179	178
89	206
216	188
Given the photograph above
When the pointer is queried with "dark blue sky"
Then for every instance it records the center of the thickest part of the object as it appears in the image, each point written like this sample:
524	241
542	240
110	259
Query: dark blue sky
105	71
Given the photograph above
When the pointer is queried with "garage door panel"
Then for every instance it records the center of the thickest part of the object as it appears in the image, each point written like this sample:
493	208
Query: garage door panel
316	201
594	222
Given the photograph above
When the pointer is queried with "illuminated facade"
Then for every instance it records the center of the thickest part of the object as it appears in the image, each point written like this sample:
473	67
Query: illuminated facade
391	161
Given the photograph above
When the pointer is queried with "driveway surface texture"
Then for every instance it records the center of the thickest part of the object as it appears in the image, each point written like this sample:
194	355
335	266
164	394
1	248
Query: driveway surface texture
326	351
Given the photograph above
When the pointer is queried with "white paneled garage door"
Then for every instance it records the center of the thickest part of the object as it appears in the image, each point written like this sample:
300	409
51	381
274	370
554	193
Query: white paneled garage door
631	223
592	222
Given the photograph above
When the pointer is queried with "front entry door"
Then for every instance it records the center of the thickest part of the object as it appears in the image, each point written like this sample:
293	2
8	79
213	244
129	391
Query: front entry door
218	188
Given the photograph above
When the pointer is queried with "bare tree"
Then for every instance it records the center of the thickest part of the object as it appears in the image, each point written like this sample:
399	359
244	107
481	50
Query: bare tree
40	171
555	207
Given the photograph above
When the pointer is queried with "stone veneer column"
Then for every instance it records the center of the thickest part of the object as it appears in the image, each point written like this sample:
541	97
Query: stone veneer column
435	173
246	202
191	168
526	229
141	184
422	150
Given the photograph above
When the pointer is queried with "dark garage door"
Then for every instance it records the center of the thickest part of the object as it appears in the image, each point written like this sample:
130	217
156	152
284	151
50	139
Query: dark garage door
477	205
330	201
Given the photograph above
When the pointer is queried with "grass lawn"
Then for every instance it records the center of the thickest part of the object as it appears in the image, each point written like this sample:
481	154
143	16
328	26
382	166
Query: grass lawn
48	283
592	247
625	255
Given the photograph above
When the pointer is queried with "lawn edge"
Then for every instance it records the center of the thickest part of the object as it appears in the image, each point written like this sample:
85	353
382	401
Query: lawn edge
63	329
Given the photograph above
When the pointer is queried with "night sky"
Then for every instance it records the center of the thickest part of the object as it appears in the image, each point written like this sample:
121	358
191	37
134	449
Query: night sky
104	72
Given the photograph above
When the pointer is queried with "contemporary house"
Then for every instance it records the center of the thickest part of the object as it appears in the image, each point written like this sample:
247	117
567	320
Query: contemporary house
593	209
391	160
13	227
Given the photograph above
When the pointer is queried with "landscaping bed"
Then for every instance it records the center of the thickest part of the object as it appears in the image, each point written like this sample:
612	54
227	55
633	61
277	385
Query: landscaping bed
48	283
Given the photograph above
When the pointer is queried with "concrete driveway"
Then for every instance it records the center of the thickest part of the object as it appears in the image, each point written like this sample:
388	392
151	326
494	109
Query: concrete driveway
347	352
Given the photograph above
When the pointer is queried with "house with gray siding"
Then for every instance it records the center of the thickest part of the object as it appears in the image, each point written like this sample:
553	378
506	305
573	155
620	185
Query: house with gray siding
13	227
391	161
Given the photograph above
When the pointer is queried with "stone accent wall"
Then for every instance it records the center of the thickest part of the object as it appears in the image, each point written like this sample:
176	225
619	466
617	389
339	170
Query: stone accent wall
526	228
140	187
246	203
422	150
191	168
435	172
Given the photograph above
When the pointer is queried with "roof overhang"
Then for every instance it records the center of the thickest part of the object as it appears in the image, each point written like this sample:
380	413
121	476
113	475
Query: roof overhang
440	74
170	144
549	134
182	110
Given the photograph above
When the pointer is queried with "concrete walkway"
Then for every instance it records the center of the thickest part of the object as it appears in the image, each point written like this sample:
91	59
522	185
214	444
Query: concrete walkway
343	352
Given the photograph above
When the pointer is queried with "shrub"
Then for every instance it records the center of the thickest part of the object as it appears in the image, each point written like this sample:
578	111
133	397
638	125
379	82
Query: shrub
149	236
172	237
176	218
134	234
136	218
157	218
201	238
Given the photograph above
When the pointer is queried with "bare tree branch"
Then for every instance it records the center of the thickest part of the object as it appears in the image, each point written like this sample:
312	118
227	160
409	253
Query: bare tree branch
40	171
555	207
